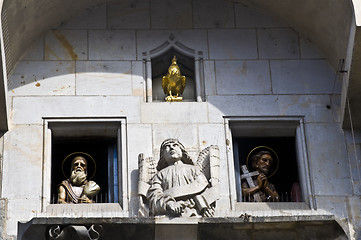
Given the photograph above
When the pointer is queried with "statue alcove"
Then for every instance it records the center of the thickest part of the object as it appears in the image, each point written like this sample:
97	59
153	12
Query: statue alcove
156	64
160	67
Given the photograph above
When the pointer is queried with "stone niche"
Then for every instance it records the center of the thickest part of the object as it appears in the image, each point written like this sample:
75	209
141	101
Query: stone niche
157	61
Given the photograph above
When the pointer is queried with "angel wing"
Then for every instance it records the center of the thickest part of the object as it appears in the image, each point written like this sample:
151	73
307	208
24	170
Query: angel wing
208	163
147	169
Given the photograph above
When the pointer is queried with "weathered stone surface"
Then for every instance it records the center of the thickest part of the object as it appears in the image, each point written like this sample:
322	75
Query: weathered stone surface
307	50
250	17
36	51
181	112
334	205
303	77
313	107
206	14
209	78
91	18
129	14
22	157
214	135
242	77
3	213
354	205
277	43
171	15
30	110
232	44
43	78
66	45
103	78
322	139
112	45
138	82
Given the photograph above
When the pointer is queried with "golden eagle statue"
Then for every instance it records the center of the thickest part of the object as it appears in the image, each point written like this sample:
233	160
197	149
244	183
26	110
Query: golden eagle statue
174	83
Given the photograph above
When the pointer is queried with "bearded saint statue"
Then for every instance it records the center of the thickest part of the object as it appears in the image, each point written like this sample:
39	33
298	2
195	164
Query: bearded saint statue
77	189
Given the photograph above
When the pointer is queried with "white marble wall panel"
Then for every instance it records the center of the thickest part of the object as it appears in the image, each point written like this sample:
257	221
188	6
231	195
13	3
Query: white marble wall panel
112	45
307	50
206	14
171	14
43	78
149	40
138	83
303	77
30	110
103	78
66	45
91	18
174	112
232	44
277	43
354	204
22	210
334	205
139	141
209	78
250	17
213	134
187	134
243	77
22	161
35	51
313	107
329	167
129	14
354	156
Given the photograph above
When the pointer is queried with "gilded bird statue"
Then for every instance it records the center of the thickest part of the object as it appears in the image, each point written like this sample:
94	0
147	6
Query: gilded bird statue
174	83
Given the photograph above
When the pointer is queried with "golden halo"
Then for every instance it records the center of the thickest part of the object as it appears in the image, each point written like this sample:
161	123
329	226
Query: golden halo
83	154
275	160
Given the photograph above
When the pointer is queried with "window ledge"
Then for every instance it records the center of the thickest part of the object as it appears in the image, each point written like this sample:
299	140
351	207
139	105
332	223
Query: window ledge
85	210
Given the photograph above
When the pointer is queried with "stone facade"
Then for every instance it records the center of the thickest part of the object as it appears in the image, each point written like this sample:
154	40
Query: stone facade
253	66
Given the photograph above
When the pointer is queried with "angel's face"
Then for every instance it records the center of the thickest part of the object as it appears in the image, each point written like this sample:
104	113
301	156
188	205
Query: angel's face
172	152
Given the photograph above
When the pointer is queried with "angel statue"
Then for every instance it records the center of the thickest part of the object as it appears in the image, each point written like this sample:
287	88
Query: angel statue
177	186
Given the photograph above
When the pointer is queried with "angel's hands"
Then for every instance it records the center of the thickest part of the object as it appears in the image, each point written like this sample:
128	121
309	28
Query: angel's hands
174	207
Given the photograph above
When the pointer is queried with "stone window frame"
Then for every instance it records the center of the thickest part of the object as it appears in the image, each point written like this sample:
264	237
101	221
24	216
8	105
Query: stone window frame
271	127
172	42
122	205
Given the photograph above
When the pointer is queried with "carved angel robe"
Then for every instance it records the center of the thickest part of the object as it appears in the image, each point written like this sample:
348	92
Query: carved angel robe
176	183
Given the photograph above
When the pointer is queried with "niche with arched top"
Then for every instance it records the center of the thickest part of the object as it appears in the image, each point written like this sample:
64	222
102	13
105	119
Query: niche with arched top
156	64
160	67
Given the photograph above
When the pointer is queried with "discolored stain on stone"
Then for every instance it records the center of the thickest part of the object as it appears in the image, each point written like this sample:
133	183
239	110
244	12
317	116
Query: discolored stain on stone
37	84
65	44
